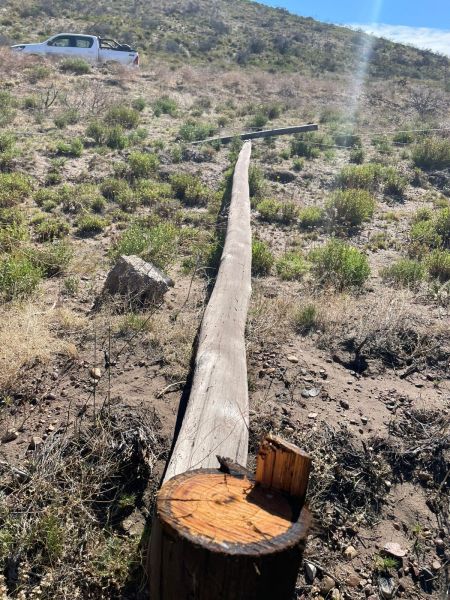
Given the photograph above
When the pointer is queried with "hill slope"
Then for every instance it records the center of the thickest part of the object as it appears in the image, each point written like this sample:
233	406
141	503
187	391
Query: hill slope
235	31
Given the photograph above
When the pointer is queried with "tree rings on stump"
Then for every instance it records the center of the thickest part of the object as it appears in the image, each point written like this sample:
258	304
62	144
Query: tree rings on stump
223	536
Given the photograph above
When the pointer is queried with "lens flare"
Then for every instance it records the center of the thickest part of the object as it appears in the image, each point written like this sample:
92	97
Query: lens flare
366	47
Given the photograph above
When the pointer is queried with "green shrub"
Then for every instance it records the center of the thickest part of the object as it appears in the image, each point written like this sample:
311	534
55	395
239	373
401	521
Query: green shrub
393	182
340	265
165	105
190	190
157	244
74	148
311	216
139	104
116	138
114	188
14	189
289	212
262	258
98	204
52	258
269	209
403	137
291	267
404	272
150	192
256	182
422	214
7	112
350	208
142	164
18	277
432	153
258	121
12	235
68	117
78	66
357	156
51	229
422	237
305	147
192	131
442	225
298	164
372	177
438	264
305	318
98	131
125	117
90	225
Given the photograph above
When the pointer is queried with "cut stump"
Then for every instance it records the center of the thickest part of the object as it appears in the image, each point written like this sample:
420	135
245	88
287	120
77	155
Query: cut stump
219	535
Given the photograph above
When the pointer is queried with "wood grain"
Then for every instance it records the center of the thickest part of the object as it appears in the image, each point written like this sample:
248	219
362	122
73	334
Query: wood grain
216	418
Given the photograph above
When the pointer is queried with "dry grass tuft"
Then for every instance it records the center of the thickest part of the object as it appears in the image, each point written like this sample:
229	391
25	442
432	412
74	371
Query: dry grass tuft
25	335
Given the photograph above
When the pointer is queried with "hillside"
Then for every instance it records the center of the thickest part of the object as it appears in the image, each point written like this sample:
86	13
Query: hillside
225	34
348	334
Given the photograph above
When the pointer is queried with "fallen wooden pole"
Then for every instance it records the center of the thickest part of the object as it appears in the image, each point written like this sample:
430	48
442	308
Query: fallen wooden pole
216	418
224	535
254	135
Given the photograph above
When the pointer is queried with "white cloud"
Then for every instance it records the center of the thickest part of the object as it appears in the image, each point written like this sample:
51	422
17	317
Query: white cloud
426	38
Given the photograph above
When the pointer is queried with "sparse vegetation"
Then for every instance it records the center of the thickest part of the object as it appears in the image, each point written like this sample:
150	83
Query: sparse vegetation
340	265
262	258
291	266
350	208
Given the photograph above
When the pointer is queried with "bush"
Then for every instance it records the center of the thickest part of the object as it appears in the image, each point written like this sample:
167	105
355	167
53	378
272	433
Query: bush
116	138
156	244
357	156
150	192
165	105
256	182
291	267
12	234
190	190
78	66
262	258
125	117
7	112
51	229
442	225
311	216
305	146
340	265
69	117
193	131
53	258
422	237
404	272
258	121
350	208
97	131
142	164
18	277
298	164
438	264
114	189
289	212
139	104
269	209
14	189
305	318
432	153
90	225
74	148
372	177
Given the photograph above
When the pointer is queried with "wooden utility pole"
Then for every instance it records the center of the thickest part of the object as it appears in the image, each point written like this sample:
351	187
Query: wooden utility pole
227	535
265	133
216	418
222	534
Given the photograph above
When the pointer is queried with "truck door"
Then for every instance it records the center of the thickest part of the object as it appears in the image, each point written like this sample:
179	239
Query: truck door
85	46
59	45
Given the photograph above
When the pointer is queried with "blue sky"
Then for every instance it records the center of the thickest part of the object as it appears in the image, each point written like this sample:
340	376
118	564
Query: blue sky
425	24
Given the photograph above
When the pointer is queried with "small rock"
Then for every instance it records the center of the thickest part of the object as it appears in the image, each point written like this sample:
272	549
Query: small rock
344	404
439	543
387	587
350	553
95	373
9	436
35	443
310	571
292	358
352	580
336	594
436	565
312	416
305	394
327	584
314	392
364	420
395	550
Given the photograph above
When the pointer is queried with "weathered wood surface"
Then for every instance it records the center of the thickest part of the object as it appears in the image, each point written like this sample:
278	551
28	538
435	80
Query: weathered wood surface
216	417
218	535
254	135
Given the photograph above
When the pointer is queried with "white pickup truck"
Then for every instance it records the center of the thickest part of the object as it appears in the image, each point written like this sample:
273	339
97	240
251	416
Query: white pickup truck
90	47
